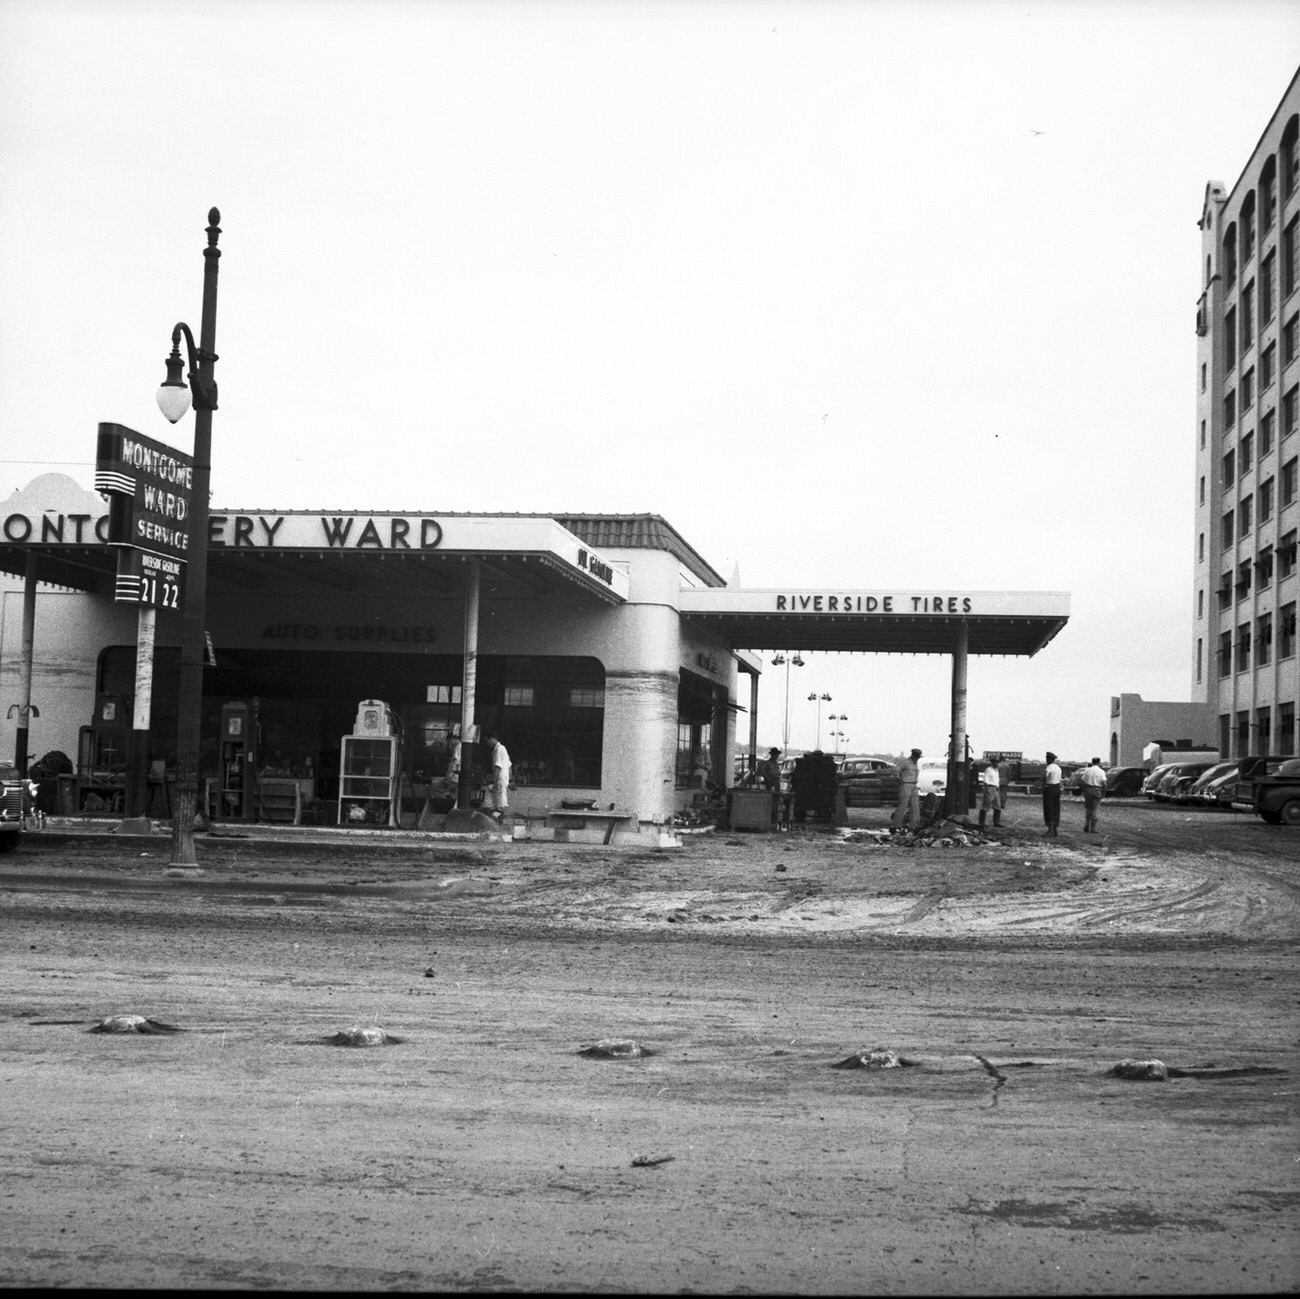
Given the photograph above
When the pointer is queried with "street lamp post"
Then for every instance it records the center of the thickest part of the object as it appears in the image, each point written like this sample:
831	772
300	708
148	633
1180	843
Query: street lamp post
838	733
823	698
796	661
174	400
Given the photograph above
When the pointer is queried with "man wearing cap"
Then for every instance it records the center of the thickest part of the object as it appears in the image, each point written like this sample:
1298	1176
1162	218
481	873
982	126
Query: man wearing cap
1052	796
908	810
770	773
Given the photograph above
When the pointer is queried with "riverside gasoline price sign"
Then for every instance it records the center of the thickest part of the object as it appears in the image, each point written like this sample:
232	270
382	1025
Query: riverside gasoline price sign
148	486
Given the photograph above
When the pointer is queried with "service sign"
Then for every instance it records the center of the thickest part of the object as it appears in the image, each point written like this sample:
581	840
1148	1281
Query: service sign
148	485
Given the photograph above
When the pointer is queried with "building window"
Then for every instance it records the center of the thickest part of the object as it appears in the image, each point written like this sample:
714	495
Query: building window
1246	456
1229	408
1286	555
1225	654
1200	649
1228	262
1243	647
1264	567
1243	733
442	695
1289	159
1227	529
586	697
1290	411
1290	336
1229	469
1286	631
1225	733
1202	376
1265	497
1243	579
1264	730
1247	317
1267	424
1289	481
1267	365
1288	258
1248	228
1286	729
1202	435
1247	390
1267	300
1244	521
1268	193
518	696
1202	500
1225	591
1230	338
1263	640
1200	603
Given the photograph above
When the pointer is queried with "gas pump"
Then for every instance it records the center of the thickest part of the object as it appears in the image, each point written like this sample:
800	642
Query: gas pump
103	753
237	769
369	766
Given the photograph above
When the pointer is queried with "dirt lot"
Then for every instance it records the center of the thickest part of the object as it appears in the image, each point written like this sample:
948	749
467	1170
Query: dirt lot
483	1152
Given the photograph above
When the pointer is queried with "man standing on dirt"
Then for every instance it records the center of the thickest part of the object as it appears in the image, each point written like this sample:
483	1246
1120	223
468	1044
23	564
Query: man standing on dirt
1092	783
498	791
908	811
991	793
1052	796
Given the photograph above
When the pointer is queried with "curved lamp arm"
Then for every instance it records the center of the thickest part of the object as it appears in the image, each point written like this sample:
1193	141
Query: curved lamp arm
173	396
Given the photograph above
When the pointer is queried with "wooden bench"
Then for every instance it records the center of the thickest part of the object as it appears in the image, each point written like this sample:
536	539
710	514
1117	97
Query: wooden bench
576	818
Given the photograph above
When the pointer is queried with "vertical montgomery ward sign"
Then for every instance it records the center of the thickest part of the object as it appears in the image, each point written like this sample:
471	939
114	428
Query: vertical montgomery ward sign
148	486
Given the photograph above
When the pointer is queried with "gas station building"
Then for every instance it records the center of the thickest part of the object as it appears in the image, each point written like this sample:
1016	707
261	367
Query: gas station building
607	654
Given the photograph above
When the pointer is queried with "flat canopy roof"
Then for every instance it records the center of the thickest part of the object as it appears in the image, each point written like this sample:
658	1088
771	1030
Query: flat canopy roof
62	528
879	622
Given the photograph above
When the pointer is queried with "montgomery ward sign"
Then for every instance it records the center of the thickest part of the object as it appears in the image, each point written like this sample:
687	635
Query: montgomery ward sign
518	536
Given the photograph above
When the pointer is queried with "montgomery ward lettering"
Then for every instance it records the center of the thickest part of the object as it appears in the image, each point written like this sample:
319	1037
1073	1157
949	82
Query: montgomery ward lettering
324	532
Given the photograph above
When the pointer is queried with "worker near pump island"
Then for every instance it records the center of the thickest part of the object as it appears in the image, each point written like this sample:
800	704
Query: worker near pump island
1052	796
908	811
498	790
1093	783
991	793
770	771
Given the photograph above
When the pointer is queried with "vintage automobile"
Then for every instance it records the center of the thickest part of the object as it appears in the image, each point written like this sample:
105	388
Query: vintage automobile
12	793
1172	786
1156	776
1249	772
1125	782
1196	791
1277	795
868	782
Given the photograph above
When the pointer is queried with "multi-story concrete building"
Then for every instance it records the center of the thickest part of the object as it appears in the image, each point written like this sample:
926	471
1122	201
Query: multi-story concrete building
1245	664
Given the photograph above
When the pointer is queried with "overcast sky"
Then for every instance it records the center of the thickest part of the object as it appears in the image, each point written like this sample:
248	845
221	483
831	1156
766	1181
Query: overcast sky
855	295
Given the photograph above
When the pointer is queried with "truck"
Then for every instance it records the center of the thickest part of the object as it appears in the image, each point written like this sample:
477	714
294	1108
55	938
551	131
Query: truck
12	794
1250	771
1276	796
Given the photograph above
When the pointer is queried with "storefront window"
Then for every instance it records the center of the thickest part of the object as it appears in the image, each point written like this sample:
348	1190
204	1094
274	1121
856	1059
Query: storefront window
701	731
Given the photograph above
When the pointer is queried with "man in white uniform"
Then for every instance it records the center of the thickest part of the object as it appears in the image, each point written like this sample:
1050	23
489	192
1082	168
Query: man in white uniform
498	791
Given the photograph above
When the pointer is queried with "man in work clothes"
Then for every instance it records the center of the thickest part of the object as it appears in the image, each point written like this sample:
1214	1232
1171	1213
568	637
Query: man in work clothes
908	811
499	761
991	793
1092	782
1052	796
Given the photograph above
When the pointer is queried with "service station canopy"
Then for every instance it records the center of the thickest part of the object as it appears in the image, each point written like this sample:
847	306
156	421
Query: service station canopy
65	529
879	622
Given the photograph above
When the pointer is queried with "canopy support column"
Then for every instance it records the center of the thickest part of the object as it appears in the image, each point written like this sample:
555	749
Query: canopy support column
469	684
955	804
25	667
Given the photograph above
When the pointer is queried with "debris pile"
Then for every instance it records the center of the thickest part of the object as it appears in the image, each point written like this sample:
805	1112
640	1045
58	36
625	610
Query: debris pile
944	833
877	1057
359	1036
1141	1070
133	1024
615	1048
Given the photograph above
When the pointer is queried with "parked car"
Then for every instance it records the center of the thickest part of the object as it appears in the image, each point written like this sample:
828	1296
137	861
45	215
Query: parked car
1249	770
1156	776
1173	785
12	793
1277	795
868	782
1125	782
1196	792
932	777
1219	792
